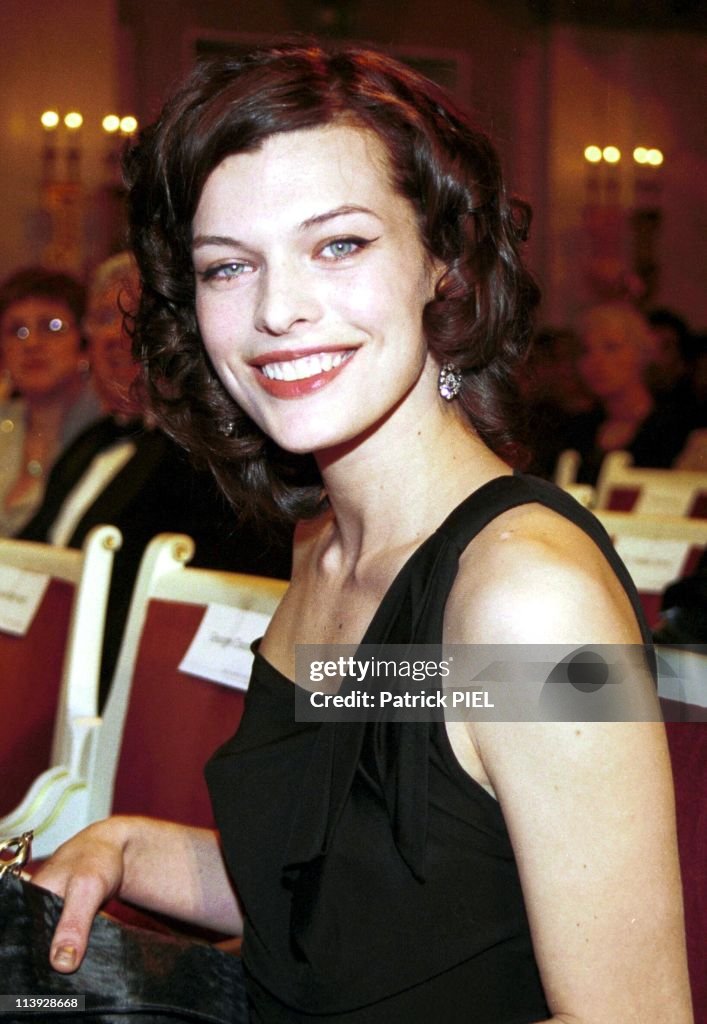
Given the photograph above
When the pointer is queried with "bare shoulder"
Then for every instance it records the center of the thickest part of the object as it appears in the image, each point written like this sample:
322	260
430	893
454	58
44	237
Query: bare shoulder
588	804
532	576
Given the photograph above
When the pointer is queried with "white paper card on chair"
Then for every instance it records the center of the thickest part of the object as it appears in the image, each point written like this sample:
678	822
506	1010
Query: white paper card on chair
220	650
21	593
652	564
652	501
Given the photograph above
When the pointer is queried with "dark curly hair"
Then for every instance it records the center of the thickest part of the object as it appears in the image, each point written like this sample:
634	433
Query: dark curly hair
480	318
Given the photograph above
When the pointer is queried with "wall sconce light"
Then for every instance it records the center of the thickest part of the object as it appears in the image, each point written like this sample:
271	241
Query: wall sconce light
113	123
652	157
128	125
49	120
606	219
62	193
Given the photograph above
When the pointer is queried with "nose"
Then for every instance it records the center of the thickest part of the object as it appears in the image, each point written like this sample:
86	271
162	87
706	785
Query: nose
287	297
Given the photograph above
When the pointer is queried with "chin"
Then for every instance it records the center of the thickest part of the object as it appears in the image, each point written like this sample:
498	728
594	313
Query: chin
314	443
304	446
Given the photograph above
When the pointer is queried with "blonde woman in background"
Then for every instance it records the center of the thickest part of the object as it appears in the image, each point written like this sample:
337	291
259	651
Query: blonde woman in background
617	348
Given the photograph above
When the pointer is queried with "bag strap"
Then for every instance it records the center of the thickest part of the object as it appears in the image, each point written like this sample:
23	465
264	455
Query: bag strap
22	845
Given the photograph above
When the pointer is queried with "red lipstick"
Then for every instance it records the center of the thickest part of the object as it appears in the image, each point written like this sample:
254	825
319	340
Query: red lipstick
288	389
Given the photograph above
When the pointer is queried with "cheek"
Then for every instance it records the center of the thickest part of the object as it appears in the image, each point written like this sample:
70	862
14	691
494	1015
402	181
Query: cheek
387	302
219	326
594	371
621	364
67	357
71	349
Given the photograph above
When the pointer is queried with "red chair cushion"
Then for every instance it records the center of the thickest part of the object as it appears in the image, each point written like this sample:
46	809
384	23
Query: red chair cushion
30	674
174	723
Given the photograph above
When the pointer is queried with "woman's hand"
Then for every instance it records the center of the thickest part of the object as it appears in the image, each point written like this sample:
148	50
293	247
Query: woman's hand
168	868
86	871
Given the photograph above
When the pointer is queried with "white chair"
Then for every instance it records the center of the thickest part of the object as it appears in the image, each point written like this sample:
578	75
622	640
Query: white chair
624	487
656	550
583	493
566	468
50	675
160	724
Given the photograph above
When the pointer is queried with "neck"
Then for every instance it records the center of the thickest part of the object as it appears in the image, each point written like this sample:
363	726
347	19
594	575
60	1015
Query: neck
387	489
45	408
46	416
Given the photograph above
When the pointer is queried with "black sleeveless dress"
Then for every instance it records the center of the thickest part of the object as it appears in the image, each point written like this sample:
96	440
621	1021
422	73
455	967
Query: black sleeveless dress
377	878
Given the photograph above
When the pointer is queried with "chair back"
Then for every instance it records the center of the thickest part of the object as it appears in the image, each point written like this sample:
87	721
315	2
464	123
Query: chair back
567	468
622	487
657	550
161	723
49	670
583	493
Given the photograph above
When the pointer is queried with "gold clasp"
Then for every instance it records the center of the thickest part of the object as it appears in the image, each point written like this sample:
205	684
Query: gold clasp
22	845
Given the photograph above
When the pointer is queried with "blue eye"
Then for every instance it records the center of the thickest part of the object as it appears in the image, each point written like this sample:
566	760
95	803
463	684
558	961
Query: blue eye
226	271
340	248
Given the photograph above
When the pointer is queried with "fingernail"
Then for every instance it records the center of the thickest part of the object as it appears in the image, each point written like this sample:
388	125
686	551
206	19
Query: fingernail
65	956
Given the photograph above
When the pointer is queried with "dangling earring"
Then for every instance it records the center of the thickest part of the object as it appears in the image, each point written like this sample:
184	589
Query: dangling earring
449	382
227	428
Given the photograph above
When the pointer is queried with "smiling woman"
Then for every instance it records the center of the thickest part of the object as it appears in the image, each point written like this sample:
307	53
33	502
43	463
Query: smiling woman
323	292
333	307
433	169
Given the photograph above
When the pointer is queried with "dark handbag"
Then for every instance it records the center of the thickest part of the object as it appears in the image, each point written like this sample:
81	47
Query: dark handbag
128	974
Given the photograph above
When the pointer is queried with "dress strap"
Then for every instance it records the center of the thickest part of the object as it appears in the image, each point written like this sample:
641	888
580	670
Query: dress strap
412	612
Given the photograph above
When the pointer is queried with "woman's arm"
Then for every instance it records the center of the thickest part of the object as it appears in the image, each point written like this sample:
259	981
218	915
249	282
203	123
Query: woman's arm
590	815
589	805
164	867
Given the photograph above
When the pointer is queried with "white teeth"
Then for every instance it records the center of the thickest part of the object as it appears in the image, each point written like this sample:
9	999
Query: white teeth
306	366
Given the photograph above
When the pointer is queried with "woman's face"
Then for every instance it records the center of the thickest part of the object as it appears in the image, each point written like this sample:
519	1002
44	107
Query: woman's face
41	346
610	362
112	365
311	280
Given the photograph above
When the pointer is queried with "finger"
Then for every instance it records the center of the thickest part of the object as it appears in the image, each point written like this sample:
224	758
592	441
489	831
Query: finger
84	896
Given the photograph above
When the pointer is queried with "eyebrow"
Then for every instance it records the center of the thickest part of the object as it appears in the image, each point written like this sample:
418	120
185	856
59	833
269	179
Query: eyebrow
310	222
340	211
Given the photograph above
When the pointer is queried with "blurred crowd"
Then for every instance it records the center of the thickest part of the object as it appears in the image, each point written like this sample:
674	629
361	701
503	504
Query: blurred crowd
78	448
617	379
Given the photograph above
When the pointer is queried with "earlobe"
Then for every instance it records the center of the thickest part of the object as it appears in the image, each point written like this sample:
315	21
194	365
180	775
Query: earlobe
436	271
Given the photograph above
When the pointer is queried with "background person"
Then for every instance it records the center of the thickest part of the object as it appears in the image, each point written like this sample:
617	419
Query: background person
123	470
554	395
45	365
618	347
